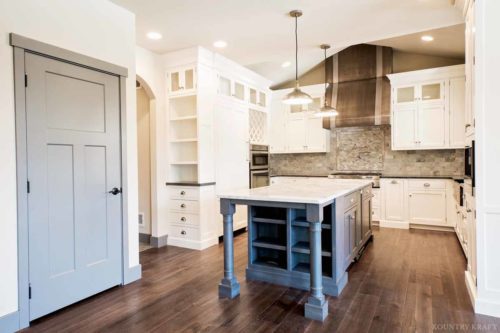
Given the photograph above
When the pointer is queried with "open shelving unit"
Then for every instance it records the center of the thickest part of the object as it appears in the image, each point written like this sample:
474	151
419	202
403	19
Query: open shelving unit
279	241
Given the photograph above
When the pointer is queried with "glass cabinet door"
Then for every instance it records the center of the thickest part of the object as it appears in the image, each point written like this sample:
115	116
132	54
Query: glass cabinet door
239	91
431	91
174	81
262	99
189	79
224	86
405	94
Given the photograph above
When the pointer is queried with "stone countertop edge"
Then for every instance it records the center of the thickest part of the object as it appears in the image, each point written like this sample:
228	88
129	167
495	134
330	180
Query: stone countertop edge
247	195
383	176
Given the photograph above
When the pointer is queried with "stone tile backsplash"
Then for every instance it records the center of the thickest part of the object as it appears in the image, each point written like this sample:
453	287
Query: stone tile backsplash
369	149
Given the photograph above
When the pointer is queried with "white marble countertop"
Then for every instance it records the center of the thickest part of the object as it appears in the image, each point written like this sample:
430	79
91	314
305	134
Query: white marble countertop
307	190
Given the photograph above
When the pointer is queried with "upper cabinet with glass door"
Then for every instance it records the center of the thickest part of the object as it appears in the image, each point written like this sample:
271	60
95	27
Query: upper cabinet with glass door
182	81
426	104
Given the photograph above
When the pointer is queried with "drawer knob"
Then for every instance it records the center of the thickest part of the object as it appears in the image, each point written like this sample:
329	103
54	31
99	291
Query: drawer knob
183	192
183	219
427	185
183	205
183	232
394	182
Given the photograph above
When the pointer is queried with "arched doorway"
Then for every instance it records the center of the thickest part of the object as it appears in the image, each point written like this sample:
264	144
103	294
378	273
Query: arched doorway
145	161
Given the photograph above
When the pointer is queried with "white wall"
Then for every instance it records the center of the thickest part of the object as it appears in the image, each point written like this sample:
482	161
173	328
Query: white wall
151	73
144	159
96	28
487	106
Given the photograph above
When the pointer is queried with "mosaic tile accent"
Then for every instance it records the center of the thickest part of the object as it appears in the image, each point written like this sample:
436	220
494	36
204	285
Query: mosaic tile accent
356	141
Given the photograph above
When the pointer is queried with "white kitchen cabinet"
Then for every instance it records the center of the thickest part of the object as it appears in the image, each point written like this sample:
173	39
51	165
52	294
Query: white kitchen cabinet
457	112
428	108
181	80
427	207
294	129
393	202
469	72
403	127
376	204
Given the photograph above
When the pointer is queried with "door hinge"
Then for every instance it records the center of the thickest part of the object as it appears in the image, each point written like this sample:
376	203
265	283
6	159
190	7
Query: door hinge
29	291
25	79
28	188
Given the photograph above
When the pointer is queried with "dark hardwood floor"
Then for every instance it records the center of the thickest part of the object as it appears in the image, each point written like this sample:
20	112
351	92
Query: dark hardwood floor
407	281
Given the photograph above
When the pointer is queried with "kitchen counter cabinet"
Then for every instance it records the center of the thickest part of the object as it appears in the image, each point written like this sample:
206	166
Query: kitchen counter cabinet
302	234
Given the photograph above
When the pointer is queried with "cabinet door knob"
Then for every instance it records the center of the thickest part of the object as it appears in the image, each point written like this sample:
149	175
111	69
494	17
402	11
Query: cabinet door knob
183	192
183	219
427	185
469	210
183	232
183	205
394	182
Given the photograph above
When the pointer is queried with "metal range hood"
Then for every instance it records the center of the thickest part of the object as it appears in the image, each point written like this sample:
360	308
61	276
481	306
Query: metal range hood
359	88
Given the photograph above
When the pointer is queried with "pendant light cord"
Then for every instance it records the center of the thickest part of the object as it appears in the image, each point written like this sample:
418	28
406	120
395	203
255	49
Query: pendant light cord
296	51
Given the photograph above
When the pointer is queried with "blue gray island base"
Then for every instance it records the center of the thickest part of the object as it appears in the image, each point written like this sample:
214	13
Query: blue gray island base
299	245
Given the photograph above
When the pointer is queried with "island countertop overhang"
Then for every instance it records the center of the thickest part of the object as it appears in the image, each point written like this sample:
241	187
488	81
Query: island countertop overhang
319	191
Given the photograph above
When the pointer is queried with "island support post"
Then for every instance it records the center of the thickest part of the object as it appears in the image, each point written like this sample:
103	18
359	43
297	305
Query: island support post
317	306
229	286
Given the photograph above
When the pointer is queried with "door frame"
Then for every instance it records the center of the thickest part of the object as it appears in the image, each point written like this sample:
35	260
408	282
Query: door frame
21	46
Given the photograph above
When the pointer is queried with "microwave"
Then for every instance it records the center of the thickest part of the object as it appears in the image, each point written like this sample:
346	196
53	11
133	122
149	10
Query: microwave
469	163
259	157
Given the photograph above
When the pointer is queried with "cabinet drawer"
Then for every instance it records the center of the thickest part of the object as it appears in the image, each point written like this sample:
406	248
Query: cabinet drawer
184	232
184	206
351	200
183	219
427	184
189	193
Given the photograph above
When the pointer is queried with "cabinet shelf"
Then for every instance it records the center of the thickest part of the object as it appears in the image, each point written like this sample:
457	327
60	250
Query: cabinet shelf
184	163
266	220
183	140
303	247
269	243
305	224
184	118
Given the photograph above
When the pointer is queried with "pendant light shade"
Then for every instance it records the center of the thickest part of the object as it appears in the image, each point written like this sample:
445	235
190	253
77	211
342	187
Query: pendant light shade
297	96
326	110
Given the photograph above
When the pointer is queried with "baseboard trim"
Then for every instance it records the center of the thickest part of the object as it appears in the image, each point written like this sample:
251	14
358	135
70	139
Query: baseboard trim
10	322
431	227
132	274
471	288
145	238
394	224
191	244
487	307
158	241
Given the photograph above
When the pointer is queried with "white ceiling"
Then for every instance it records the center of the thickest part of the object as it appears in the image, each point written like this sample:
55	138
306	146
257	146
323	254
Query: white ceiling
260	32
448	42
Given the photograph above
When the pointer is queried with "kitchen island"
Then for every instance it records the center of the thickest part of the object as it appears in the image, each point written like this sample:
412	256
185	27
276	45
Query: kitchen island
303	234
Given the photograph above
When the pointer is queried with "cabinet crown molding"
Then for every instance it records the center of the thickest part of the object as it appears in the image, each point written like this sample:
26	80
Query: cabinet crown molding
427	74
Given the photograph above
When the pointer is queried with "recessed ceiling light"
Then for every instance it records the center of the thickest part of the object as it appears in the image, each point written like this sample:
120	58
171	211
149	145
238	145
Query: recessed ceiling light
154	35
286	64
427	38
220	44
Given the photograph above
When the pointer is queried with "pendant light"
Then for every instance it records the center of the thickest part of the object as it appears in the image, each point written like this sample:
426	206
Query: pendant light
297	96
326	110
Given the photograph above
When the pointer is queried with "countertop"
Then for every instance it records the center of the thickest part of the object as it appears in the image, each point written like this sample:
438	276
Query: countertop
454	177
310	191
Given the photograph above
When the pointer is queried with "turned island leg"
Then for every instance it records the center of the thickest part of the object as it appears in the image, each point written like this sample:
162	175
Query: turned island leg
229	286
316	307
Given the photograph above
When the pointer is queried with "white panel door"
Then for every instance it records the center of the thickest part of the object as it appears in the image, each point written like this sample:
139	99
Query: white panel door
457	112
73	145
296	135
316	136
404	126
232	151
394	199
278	129
431	125
427	207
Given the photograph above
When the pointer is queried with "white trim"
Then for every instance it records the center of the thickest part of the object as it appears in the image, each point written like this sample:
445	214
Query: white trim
191	244
9	322
394	224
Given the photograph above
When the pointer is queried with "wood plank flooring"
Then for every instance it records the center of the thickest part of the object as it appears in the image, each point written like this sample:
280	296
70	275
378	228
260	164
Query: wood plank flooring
407	281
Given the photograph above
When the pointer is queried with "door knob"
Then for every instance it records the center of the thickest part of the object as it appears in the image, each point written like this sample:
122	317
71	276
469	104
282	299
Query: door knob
115	190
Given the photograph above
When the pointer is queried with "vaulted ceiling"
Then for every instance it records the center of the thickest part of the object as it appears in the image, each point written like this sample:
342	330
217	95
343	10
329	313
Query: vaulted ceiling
259	33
